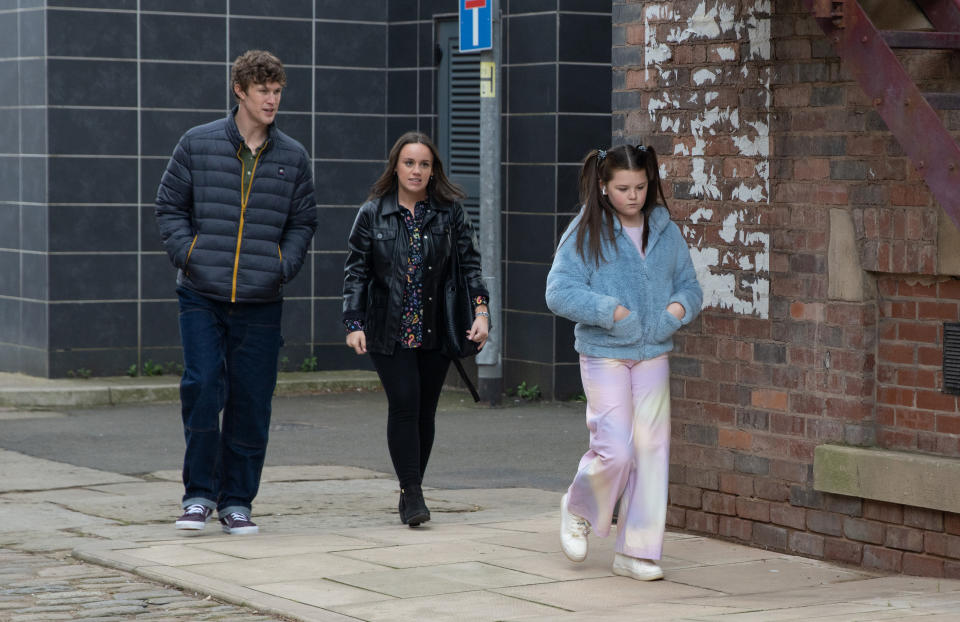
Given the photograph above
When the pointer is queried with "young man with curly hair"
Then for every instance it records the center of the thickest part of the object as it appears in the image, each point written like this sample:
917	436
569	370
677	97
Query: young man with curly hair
236	213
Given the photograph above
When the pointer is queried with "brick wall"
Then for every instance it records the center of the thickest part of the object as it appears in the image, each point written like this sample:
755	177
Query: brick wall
912	411
765	139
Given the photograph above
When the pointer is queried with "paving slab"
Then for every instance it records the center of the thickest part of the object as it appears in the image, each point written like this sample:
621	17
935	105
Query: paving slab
177	555
287	568
281	546
883	589
393	534
765	575
439	579
34	518
20	473
233	593
660	612
321	592
557	567
541	542
434	553
463	607
703	551
612	591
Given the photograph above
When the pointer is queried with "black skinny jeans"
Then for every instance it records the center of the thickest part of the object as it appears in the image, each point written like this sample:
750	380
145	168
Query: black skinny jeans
412	379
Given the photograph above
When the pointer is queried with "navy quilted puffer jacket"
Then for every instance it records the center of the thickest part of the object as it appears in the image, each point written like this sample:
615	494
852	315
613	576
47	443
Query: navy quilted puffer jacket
228	246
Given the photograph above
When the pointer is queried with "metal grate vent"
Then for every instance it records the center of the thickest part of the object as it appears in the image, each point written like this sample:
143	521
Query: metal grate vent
465	127
458	114
951	358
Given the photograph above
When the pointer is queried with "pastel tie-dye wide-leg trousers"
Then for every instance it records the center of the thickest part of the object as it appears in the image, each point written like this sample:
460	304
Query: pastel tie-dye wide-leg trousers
628	415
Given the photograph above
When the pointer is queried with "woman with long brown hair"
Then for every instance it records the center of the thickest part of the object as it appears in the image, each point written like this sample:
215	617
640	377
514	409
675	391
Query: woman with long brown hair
400	250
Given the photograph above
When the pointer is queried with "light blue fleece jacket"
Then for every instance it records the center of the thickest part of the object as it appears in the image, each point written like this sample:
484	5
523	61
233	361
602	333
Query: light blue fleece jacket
580	291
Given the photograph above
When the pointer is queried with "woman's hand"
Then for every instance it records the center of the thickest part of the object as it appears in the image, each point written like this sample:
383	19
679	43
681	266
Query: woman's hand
620	312
358	341
676	310
479	331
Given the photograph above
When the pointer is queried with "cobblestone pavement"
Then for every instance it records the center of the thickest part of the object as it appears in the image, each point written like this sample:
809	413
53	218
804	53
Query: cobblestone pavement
45	587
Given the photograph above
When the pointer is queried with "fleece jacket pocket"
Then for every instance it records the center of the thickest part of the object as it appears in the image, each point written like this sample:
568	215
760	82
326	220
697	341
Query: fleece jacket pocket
666	327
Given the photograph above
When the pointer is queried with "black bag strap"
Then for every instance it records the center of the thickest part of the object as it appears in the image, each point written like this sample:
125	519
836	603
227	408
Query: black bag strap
455	271
466	379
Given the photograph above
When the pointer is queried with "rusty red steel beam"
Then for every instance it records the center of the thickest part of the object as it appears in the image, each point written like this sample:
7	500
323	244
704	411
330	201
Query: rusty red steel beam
943	14
909	116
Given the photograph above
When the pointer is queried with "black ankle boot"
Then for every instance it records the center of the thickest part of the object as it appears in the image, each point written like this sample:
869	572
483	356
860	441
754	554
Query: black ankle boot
413	509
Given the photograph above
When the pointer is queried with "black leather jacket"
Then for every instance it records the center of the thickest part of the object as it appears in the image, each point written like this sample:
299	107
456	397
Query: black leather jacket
375	269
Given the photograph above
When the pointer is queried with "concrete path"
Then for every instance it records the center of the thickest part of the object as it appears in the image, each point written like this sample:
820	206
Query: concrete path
331	549
85	543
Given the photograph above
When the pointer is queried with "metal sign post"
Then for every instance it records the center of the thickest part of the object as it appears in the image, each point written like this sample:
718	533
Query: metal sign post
479	33
489	361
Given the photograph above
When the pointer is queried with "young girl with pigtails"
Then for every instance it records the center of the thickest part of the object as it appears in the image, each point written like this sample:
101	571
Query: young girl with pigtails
623	273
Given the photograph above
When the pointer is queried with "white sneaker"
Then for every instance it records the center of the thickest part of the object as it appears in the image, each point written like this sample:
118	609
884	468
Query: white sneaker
573	533
639	569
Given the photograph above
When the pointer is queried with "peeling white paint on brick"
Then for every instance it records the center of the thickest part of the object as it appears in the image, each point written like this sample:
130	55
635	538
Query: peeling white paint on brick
729	230
726	53
704	182
746	193
667	124
704	75
707	23
655	104
763	239
733	276
655	53
703	212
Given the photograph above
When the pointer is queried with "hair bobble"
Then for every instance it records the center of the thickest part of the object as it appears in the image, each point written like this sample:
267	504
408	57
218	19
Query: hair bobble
641	147
601	154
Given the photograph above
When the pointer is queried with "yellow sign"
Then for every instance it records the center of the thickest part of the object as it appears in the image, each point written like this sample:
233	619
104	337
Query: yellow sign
488	79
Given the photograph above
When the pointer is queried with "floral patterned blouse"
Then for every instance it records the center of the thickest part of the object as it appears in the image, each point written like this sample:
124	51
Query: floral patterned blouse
411	319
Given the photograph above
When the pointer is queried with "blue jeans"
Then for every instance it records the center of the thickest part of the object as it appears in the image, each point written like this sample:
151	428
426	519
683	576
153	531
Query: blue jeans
230	355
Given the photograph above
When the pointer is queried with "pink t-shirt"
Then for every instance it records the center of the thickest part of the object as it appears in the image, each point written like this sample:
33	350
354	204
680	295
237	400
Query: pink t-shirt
636	234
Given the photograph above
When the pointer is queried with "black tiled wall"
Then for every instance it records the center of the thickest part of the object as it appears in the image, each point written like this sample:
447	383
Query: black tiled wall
24	292
84	283
557	70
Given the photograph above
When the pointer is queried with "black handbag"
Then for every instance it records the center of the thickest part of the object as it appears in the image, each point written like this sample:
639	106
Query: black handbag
457	318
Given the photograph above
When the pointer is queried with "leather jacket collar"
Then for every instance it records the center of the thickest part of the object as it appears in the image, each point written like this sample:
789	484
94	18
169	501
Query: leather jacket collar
389	204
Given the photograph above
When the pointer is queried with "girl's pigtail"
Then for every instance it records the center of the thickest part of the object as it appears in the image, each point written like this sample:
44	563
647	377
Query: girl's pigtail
655	174
593	208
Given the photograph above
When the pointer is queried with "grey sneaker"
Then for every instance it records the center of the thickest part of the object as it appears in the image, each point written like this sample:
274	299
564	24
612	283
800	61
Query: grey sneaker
238	524
195	517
